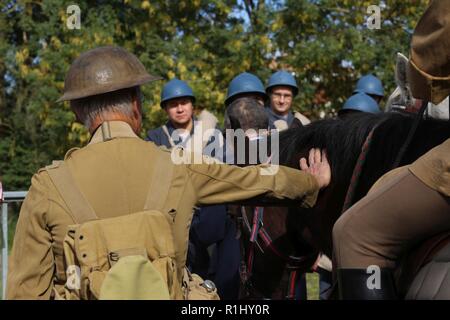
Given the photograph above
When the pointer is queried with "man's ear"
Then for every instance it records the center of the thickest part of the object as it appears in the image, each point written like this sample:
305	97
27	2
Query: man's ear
77	116
137	104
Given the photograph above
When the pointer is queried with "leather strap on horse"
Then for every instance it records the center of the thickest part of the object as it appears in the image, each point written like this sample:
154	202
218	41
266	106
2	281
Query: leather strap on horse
357	171
412	131
365	149
257	229
292	285
258	215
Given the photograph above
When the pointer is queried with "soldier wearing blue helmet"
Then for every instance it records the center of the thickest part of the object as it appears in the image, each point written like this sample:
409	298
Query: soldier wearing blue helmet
282	89
359	102
212	236
246	85
177	100
370	85
283	78
176	89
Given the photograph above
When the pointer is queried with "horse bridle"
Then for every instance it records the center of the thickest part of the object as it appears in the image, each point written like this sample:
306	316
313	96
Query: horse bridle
411	133
257	230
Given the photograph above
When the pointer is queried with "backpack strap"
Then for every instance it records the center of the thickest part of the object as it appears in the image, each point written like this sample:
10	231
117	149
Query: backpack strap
160	184
166	132
304	120
79	208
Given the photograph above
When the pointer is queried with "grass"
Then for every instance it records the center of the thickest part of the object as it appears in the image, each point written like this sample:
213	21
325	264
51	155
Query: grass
312	286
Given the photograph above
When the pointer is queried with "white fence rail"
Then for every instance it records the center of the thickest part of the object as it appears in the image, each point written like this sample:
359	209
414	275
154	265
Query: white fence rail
7	197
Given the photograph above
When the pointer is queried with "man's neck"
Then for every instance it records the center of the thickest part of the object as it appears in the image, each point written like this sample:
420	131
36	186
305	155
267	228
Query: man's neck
280	114
185	126
98	122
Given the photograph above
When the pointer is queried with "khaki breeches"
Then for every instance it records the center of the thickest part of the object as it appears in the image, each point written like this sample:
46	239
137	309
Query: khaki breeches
398	214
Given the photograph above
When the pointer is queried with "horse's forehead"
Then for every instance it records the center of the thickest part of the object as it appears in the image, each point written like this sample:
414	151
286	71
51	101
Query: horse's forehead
396	93
399	98
400	70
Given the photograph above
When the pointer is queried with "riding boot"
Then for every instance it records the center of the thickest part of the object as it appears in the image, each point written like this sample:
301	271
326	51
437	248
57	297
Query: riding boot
361	284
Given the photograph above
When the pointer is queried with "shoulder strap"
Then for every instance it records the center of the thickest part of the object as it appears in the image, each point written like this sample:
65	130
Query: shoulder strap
80	209
304	120
160	184
166	131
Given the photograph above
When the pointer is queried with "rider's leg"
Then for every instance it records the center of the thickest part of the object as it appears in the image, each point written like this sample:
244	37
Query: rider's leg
375	231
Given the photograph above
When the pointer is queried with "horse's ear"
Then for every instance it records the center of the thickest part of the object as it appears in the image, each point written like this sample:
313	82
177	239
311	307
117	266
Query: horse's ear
400	70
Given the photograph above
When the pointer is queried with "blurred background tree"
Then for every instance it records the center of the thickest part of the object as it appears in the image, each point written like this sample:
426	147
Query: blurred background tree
326	43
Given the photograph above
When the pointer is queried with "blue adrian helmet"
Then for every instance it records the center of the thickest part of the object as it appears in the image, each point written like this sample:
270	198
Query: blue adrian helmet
369	84
176	88
282	78
361	102
244	83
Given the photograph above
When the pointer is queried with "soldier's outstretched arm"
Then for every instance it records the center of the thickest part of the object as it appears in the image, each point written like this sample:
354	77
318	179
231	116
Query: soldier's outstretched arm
221	183
31	266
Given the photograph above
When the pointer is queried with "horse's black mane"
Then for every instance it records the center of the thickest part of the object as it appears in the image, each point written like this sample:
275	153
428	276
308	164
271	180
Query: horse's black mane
343	140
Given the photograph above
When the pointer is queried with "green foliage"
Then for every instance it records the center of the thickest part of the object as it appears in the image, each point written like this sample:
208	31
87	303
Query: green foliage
203	42
329	32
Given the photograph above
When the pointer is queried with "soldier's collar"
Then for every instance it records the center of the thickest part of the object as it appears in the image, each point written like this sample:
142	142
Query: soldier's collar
112	129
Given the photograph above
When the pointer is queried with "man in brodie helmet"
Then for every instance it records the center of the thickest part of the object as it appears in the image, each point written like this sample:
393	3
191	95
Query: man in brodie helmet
373	232
119	174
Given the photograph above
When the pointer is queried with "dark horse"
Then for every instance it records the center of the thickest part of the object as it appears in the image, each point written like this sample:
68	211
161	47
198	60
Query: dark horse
305	232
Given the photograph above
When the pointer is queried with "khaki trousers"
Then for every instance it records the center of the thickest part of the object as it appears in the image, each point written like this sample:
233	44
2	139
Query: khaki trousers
398	214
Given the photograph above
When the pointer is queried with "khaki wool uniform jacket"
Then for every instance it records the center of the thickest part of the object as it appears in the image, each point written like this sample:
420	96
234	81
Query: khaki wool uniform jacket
433	168
115	177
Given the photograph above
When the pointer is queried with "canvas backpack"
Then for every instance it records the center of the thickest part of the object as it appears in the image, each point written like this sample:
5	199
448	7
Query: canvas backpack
129	257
